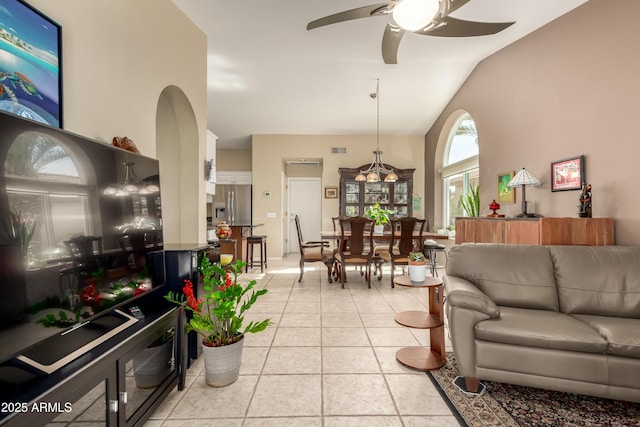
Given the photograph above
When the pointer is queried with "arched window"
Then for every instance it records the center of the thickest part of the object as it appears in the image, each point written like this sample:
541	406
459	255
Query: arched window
44	181
459	167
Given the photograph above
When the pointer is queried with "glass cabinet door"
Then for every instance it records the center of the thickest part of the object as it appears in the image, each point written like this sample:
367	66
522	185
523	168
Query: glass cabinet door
97	406
146	370
352	198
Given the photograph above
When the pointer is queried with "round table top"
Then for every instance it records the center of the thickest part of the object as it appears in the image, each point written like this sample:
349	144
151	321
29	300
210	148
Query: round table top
428	282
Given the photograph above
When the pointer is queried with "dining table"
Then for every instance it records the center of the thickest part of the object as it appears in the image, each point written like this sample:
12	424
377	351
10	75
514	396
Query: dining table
336	235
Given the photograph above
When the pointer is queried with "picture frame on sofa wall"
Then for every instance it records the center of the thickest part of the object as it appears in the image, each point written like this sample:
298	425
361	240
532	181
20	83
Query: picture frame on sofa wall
567	174
506	194
330	192
30	63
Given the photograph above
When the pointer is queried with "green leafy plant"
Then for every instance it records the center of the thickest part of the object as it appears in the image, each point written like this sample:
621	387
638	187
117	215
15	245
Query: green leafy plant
380	215
470	201
417	256
219	315
50	320
21	231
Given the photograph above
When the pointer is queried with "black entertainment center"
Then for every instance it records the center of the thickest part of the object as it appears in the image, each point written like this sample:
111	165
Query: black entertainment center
82	280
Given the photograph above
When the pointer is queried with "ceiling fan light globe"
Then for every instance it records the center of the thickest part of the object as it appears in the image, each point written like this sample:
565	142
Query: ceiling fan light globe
413	15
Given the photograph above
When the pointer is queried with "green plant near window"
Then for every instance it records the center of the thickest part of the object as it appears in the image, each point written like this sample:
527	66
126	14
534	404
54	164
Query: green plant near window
21	231
380	215
470	201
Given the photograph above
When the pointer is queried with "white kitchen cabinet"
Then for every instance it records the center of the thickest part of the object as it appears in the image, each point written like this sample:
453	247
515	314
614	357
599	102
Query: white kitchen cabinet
233	177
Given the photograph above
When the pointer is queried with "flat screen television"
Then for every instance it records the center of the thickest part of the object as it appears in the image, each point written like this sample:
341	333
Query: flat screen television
80	236
30	63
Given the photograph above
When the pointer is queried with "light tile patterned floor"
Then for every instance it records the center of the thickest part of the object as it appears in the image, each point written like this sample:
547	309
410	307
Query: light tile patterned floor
327	360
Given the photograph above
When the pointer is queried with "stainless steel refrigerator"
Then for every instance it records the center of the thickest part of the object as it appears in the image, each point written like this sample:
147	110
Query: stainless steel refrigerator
232	203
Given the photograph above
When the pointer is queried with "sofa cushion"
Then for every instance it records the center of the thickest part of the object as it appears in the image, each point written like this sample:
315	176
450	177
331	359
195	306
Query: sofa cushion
623	335
598	280
510	275
541	328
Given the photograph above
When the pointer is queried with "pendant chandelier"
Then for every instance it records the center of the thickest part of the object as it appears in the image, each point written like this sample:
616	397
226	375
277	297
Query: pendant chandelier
377	169
131	185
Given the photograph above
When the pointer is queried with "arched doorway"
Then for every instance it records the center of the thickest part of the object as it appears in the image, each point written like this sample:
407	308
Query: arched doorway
182	181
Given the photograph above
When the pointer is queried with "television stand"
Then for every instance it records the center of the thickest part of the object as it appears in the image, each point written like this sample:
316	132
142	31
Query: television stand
58	350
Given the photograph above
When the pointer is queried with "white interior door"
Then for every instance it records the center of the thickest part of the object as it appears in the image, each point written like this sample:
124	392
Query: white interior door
305	200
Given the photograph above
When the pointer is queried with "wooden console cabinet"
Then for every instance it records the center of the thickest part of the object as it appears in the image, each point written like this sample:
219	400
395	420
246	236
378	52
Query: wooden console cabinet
536	231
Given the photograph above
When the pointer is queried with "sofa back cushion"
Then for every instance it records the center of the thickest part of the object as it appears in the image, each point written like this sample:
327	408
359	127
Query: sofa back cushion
598	280
511	275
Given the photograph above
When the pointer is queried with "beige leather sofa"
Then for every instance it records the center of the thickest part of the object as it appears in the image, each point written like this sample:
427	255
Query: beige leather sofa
564	318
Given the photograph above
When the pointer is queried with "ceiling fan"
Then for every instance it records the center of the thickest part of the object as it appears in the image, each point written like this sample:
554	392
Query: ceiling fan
430	19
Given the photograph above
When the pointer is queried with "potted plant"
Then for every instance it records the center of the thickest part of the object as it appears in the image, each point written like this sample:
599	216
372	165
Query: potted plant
218	317
417	266
152	365
380	215
470	201
21	231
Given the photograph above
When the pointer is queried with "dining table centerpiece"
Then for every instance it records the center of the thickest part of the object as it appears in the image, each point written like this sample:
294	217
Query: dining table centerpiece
218	317
379	215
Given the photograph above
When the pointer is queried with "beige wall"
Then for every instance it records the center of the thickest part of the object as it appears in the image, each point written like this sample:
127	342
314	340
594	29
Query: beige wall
118	57
233	160
269	151
570	88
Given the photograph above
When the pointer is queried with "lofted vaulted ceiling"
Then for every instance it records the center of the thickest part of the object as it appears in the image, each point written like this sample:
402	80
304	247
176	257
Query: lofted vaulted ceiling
268	75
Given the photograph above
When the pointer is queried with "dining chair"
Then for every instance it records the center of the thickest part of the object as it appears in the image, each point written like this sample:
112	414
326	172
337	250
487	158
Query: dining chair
313	251
403	242
85	253
359	252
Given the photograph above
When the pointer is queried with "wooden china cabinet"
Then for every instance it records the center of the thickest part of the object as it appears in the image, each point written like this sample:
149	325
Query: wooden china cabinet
356	197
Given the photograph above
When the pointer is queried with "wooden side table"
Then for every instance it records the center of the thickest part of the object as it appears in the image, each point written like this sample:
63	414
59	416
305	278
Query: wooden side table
421	358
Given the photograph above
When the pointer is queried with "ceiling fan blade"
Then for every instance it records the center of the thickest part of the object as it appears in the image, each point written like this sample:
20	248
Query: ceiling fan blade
453	27
347	15
390	42
454	5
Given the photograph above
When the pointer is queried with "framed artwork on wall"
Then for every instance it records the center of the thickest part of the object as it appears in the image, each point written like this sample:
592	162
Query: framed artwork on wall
330	192
30	63
506	194
567	174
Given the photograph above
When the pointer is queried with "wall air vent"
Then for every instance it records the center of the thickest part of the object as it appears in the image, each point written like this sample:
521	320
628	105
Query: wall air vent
338	150
303	162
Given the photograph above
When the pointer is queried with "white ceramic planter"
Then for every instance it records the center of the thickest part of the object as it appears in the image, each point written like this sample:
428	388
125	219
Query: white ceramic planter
378	229
417	273
222	364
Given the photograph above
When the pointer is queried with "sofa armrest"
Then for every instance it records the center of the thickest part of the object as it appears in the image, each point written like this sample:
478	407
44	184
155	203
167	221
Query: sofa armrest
462	293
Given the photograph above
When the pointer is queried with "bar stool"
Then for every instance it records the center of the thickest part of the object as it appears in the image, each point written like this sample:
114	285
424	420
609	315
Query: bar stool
431	249
256	240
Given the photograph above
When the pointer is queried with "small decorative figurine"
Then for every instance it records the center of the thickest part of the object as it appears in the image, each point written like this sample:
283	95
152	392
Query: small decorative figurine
494	206
585	201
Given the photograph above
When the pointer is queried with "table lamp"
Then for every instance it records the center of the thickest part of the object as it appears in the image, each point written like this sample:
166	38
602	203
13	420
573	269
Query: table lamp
525	179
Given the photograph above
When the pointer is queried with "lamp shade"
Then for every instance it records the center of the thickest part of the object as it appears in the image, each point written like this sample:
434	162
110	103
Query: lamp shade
524	177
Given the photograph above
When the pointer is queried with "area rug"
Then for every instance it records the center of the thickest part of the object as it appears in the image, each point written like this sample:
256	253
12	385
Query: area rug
512	405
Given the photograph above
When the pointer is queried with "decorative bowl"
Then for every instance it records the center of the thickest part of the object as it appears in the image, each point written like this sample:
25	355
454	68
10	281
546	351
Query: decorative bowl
225	259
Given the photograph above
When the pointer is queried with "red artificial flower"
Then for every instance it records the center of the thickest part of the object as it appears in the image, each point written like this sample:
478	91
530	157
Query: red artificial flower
191	298
227	283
